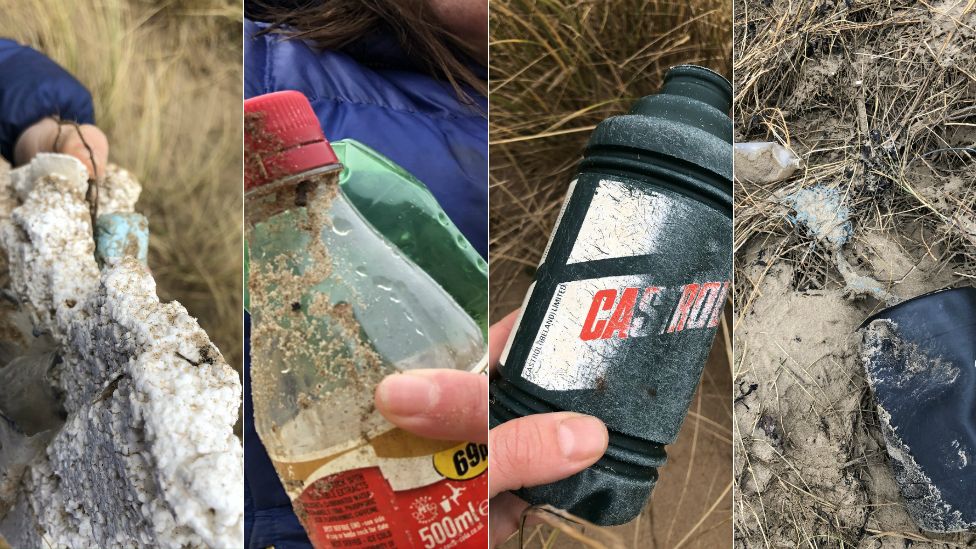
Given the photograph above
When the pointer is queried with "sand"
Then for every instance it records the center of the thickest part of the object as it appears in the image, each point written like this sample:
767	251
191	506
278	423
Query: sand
873	98
811	464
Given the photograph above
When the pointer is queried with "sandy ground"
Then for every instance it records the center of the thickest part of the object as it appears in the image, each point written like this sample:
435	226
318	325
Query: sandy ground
811	465
863	93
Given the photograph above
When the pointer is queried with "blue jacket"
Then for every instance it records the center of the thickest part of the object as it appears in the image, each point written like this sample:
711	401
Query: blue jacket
372	93
32	87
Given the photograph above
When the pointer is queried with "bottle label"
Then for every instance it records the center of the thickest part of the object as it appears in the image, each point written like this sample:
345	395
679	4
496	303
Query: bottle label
390	506
599	317
625	303
624	220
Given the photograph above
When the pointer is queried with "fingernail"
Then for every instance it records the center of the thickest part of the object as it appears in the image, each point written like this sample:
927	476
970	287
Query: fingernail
582	437
407	395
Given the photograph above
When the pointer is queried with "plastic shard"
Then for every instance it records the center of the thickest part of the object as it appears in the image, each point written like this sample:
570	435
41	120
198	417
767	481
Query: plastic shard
764	162
920	366
824	214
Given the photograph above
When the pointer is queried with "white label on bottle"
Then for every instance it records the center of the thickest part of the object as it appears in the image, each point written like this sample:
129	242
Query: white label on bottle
624	221
562	360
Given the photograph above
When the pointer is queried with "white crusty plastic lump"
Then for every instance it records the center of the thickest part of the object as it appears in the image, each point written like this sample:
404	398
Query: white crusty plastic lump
147	455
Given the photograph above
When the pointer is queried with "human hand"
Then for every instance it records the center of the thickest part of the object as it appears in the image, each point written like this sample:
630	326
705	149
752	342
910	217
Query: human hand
85	142
529	451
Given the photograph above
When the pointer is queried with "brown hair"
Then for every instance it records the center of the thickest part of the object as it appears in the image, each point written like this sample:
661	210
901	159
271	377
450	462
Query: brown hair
333	24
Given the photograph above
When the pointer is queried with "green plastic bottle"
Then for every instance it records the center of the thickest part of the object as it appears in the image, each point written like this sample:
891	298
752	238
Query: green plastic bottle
403	210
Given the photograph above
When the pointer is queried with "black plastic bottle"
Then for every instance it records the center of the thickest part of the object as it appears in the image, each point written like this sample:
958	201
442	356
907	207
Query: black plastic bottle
630	291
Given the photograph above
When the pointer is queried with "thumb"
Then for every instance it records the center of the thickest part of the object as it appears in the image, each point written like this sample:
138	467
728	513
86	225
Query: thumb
88	144
543	448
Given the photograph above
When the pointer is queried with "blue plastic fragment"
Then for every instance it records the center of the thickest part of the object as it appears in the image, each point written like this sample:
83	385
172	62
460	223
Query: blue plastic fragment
121	234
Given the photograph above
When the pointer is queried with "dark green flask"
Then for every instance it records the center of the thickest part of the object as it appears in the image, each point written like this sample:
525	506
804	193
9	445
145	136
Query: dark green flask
630	291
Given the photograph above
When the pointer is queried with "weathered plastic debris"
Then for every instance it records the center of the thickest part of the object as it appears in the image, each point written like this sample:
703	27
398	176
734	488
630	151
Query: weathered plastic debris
823	212
121	234
764	162
920	360
147	454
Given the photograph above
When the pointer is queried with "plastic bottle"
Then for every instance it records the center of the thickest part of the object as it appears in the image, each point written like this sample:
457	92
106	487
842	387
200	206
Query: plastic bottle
629	291
403	210
334	308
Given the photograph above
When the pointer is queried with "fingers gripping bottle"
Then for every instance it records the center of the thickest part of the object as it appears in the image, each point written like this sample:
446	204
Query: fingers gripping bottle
334	309
630	291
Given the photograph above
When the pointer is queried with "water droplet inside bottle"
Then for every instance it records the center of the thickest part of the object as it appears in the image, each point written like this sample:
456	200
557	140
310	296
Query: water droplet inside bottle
418	331
409	318
461	241
383	283
341	226
286	370
394	298
442	217
361	271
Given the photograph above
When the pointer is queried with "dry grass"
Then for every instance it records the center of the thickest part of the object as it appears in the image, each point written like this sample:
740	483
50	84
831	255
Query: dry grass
166	79
877	98
558	68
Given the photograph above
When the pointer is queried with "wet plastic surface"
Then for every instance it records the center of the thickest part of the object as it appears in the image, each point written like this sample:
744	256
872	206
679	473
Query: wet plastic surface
336	304
401	208
920	358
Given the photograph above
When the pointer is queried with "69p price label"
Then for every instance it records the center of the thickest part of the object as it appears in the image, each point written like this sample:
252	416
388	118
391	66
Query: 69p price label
462	462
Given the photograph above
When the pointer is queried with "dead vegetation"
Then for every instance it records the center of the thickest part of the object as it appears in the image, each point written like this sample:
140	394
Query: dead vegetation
878	99
557	69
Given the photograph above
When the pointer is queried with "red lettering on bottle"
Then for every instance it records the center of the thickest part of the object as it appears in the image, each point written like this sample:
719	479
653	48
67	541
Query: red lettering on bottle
602	301
704	303
640	326
688	295
700	305
622	315
719	305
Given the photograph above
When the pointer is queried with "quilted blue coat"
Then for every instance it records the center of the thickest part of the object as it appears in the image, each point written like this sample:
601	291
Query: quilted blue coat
33	87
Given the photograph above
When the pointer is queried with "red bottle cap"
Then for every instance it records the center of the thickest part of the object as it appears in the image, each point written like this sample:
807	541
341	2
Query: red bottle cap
282	137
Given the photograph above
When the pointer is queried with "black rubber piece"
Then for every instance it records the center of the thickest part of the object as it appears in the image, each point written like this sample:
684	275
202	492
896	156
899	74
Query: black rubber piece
920	359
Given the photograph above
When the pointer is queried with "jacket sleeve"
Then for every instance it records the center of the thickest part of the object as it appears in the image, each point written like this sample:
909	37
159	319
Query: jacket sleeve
32	87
